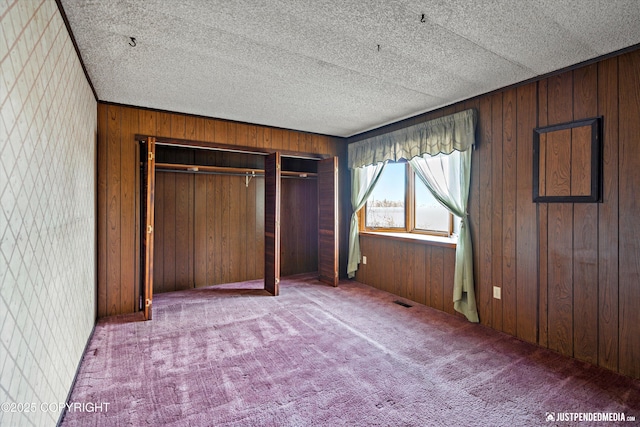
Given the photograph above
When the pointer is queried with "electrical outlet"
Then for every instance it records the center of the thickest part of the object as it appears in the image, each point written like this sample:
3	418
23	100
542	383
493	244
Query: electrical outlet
364	260
497	292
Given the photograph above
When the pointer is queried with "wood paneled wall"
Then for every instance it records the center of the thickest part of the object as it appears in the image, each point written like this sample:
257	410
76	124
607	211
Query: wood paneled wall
173	255
569	273
411	269
299	231
209	230
118	190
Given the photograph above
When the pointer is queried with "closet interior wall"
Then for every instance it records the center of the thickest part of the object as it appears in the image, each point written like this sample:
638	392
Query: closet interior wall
210	227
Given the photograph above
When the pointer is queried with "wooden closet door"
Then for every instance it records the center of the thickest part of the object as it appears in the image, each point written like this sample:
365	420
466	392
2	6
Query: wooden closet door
150	179
328	220
272	223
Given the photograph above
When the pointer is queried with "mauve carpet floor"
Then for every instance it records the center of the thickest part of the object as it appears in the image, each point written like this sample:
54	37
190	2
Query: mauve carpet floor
320	356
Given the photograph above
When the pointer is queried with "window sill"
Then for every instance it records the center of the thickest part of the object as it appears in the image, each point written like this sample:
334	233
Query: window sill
447	242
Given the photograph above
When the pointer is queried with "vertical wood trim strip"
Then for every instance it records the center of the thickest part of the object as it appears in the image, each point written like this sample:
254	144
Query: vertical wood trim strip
260	226
449	271
509	174
585	221
200	231
560	237
543	230
485	232
182	230
608	244
526	250
212	232
496	193
113	211
127	209
420	274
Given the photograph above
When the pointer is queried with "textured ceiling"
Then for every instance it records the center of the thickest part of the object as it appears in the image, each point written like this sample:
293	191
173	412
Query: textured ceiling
316	66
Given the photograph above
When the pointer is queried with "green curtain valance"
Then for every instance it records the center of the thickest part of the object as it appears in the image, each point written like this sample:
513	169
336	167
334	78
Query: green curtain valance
441	135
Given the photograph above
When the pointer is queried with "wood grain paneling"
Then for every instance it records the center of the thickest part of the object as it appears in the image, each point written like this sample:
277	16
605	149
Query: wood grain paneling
509	181
449	263
585	220
543	235
214	224
299	239
259	230
253	221
608	218
168	229
102	214
188	202
581	160
526	222
569	272
436	277
557	163
148	207
496	214
418	271
128	251
272	223
200	231
158	252
174	250
485	210
560	281
114	194
585	273
629	203
560	230
327	204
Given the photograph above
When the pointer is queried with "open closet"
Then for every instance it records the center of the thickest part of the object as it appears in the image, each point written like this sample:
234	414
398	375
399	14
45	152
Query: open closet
216	214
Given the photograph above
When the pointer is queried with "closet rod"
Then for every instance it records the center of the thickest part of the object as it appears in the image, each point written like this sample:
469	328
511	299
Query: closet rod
211	173
198	168
226	170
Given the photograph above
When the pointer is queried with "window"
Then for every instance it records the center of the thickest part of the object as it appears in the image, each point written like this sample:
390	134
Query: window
401	202
386	205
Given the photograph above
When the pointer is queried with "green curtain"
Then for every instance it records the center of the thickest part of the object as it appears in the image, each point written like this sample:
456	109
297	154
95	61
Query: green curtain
446	135
450	186
363	181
